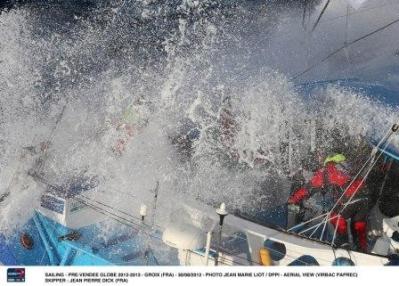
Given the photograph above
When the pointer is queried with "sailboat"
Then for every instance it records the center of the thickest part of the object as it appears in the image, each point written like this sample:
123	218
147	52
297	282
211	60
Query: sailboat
67	229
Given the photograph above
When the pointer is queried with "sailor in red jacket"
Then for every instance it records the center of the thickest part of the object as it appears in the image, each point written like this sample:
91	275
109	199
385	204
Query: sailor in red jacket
332	179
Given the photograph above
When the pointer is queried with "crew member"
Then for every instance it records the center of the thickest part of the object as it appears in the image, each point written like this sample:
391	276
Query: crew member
350	199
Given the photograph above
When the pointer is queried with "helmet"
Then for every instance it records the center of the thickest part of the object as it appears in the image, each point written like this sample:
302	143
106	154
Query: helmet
336	158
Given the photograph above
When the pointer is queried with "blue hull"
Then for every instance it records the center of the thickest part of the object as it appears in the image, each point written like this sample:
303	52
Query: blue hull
50	247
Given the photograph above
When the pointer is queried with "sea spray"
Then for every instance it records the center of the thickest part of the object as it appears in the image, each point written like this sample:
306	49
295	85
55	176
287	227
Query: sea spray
212	122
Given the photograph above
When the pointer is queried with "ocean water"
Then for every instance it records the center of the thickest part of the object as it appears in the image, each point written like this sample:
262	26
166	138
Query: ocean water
200	96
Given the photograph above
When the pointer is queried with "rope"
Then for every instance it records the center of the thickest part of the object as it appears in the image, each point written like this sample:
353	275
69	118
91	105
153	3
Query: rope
343	47
314	231
346	50
322	232
384	138
129	223
138	228
137	219
304	15
373	161
362	181
108	206
316	225
111	215
119	193
306	222
384	180
321	15
360	11
354	193
335	234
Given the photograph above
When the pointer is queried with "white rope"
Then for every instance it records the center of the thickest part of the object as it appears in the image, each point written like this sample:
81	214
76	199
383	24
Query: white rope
314	231
335	234
374	161
327	217
316	225
306	222
324	215
322	232
310	228
371	158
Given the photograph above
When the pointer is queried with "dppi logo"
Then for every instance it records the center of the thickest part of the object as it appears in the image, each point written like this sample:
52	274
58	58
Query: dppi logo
16	275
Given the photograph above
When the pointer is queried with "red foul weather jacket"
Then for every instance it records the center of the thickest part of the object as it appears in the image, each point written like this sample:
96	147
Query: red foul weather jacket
332	175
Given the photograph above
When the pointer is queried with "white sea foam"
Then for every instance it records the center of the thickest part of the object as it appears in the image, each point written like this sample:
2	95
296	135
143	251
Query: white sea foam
181	78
